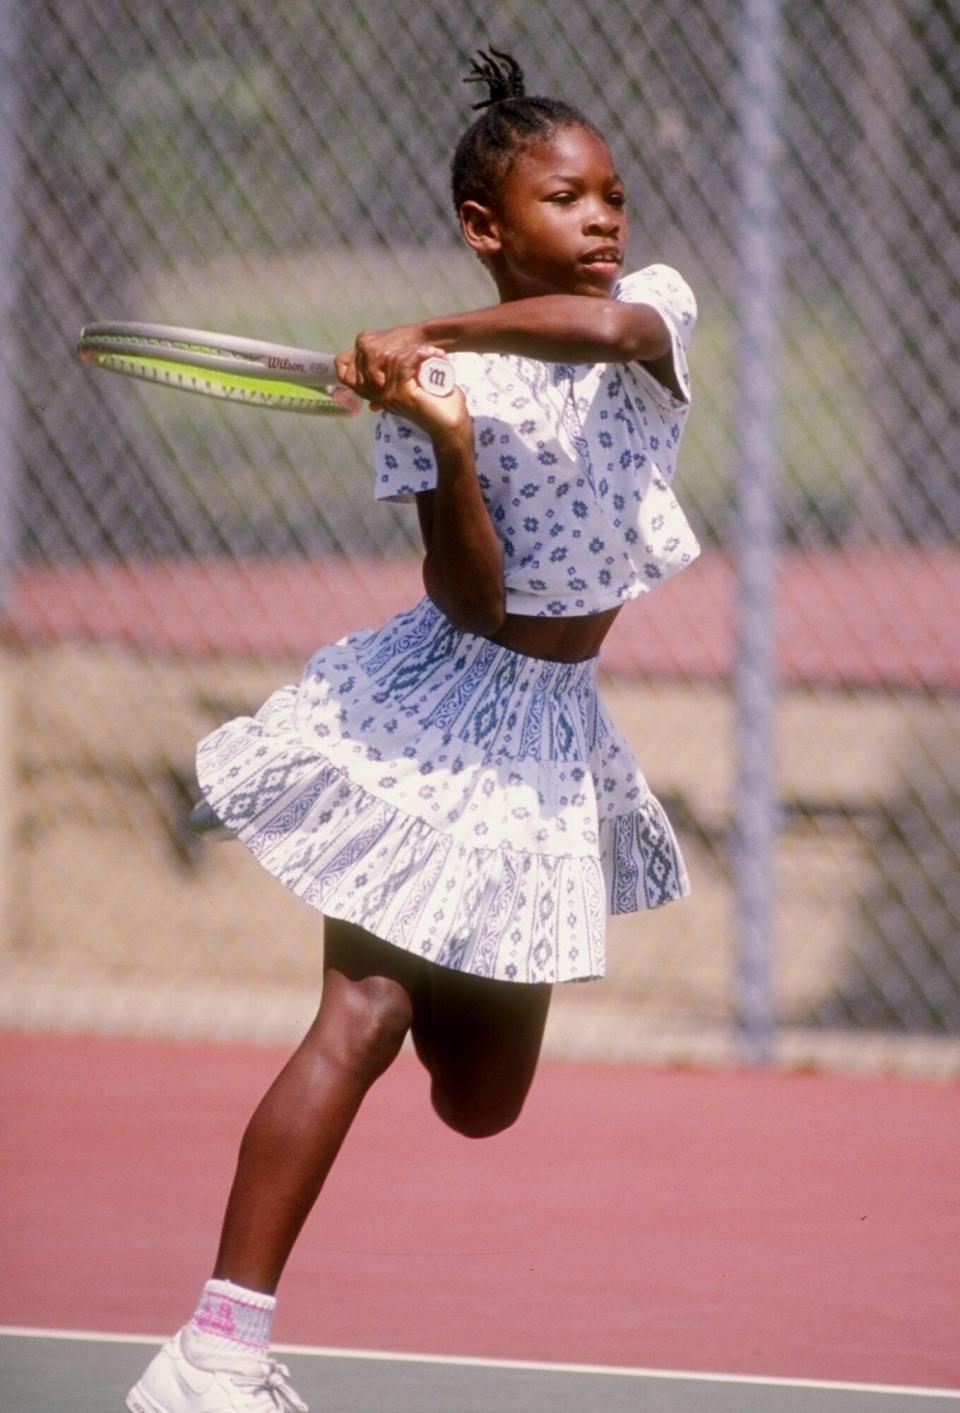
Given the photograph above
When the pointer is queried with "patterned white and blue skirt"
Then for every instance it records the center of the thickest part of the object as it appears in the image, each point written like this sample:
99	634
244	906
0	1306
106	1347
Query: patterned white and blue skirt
469	804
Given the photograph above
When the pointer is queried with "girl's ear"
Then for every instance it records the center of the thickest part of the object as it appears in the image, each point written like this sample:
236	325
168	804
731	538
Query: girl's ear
480	228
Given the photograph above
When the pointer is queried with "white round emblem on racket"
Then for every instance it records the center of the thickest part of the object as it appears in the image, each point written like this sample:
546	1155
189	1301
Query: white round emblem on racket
436	375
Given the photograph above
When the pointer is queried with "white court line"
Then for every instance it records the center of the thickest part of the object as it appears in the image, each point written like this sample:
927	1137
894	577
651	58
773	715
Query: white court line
537	1366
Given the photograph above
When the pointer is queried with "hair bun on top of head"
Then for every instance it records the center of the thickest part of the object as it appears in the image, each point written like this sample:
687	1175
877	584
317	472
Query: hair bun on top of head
513	121
502	75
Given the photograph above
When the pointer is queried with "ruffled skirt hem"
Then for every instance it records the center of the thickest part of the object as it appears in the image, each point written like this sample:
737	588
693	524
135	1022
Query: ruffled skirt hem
471	806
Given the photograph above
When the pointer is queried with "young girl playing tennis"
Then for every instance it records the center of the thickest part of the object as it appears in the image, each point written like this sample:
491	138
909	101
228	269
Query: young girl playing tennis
447	789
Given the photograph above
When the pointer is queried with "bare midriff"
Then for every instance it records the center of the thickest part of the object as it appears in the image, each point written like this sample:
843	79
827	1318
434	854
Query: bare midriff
557	639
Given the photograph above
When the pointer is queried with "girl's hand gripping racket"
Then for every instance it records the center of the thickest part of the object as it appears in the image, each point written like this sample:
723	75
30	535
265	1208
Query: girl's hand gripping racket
238	369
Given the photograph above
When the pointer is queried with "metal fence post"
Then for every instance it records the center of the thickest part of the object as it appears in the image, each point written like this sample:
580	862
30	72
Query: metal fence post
756	477
9	439
9	284
9	430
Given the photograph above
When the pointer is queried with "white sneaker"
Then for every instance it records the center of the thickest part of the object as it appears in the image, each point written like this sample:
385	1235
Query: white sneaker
174	1384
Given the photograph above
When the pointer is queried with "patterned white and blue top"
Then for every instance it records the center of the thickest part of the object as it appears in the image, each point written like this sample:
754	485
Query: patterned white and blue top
576	464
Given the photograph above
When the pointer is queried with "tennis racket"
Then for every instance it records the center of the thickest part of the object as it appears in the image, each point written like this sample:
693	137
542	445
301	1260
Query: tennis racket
242	370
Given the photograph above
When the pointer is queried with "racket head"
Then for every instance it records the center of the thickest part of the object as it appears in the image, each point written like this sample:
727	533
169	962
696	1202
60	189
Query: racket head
240	370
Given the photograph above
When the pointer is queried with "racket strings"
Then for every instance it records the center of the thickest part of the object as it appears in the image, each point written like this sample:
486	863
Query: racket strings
262	376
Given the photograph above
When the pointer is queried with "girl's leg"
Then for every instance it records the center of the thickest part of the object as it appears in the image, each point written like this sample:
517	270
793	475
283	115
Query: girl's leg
370	995
480	1041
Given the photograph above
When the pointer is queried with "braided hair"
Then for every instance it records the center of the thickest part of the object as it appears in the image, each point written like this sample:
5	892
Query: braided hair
511	122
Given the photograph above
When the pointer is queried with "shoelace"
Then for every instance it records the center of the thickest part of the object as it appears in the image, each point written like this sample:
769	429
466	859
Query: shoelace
278	1396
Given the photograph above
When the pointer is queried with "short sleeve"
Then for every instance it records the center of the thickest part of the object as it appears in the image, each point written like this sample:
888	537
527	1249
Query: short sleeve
403	457
665	290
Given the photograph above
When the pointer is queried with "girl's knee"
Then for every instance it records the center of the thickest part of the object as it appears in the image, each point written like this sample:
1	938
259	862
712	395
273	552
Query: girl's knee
362	1024
472	1118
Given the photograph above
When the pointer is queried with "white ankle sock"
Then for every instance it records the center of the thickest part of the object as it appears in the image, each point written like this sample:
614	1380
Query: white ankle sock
230	1320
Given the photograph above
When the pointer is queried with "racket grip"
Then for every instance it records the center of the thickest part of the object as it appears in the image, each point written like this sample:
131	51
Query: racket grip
436	376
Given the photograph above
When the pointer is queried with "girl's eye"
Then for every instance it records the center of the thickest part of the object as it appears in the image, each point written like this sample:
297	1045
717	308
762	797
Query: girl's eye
617	198
562	197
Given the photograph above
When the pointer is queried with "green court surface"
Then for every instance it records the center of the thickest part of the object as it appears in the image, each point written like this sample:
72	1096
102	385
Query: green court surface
53	1372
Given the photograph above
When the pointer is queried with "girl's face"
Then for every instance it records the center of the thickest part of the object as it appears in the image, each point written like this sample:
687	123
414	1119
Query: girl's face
559	225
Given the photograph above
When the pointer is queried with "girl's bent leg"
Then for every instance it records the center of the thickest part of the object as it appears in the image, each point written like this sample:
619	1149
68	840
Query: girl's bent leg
296	1132
480	1041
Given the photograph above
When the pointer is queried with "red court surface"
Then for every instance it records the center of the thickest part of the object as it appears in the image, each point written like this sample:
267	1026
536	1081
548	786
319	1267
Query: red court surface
803	1226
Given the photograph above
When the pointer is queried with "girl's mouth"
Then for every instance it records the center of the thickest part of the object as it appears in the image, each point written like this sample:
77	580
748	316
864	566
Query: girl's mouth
607	258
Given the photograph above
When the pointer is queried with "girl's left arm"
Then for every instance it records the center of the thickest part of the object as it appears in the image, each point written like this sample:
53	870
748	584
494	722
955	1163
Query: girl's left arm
557	328
563	328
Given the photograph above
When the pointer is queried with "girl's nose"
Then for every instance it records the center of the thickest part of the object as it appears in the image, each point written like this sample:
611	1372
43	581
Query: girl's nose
602	219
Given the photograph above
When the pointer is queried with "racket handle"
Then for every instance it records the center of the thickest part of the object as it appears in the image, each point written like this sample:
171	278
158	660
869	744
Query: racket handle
436	376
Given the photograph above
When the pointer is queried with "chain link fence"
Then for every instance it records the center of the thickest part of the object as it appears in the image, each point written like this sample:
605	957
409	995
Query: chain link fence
282	171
